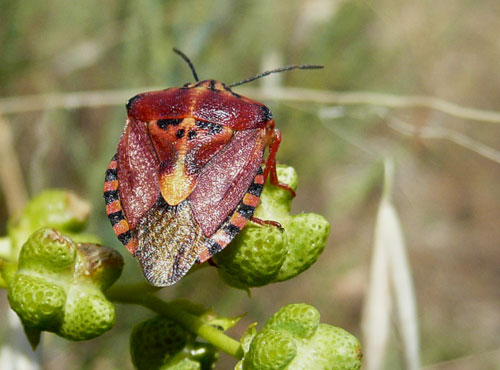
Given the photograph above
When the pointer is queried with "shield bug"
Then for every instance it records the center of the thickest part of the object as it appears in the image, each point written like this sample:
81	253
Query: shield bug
187	174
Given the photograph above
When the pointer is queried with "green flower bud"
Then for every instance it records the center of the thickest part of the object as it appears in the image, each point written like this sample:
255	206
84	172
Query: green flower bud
255	258
161	343
293	339
38	303
271	350
333	348
309	233
260	255
59	285
87	314
300	319
59	209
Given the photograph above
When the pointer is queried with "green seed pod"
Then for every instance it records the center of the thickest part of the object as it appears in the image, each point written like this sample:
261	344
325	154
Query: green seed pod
308	233
293	339
47	250
333	348
59	285
59	209
161	343
39	303
260	255
87	315
256	258
300	319
270	350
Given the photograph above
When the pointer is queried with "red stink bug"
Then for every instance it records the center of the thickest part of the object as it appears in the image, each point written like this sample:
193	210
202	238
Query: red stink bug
187	173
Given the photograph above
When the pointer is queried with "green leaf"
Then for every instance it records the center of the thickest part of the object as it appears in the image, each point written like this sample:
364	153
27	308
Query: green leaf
220	322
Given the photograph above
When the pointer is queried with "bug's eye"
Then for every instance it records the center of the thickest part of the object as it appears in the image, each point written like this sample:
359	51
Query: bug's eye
164	123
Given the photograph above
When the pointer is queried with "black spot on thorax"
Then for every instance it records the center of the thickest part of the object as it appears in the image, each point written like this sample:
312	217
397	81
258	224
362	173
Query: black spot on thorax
180	133
164	123
213	128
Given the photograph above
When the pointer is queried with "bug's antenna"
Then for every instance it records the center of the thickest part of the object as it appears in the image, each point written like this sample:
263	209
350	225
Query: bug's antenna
188	61
277	70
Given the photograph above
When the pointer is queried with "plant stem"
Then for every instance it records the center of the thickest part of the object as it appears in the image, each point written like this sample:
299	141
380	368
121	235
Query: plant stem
102	98
136	294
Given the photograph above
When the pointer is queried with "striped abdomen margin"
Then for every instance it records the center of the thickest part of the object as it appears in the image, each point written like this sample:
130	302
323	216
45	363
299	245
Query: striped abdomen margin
114	208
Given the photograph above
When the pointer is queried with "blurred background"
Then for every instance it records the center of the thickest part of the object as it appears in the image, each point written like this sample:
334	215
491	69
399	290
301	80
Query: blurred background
446	160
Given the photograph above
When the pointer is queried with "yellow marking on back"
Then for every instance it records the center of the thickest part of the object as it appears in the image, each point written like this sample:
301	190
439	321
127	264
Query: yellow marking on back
177	185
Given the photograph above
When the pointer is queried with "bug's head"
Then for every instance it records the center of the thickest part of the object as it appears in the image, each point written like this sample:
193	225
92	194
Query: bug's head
206	100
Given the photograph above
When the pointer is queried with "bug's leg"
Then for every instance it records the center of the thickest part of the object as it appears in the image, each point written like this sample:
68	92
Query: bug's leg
212	263
270	170
260	222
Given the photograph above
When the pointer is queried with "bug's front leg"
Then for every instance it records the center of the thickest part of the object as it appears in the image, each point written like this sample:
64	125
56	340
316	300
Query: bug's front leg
261	222
273	138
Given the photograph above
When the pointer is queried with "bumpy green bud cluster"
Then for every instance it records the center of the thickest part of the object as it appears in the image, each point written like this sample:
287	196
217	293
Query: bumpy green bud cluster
160	343
260	255
294	339
59	209
58	286
55	208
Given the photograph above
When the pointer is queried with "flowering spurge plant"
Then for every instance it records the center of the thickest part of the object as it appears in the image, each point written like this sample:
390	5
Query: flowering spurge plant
60	279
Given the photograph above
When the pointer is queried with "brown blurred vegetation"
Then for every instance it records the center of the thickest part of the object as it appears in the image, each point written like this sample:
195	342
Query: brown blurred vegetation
448	196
